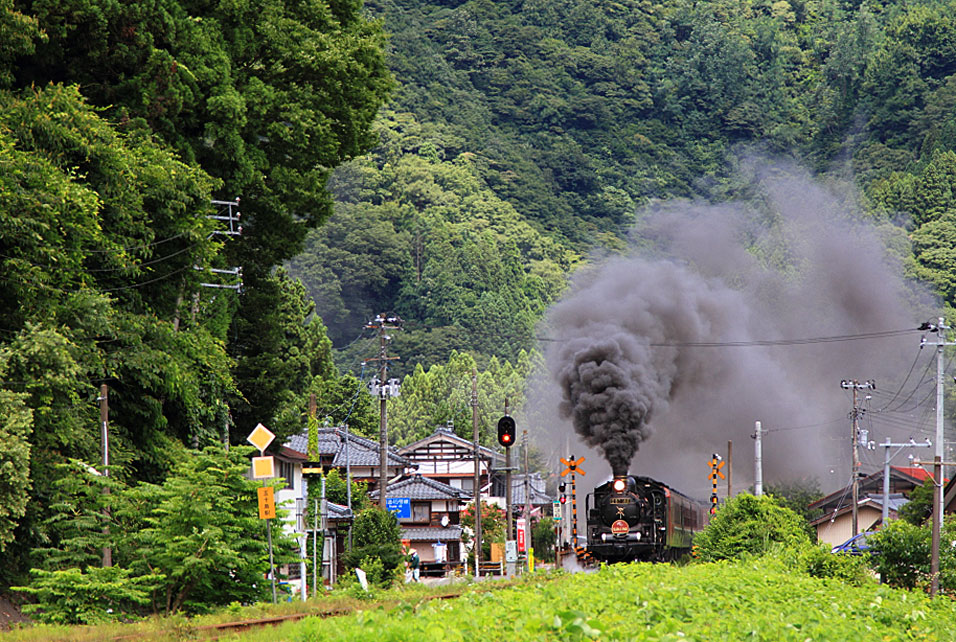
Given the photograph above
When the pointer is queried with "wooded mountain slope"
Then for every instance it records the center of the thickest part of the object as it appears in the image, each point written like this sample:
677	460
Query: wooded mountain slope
525	134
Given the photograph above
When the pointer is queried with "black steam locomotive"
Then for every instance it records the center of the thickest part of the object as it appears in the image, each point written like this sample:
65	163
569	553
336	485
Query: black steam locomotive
637	518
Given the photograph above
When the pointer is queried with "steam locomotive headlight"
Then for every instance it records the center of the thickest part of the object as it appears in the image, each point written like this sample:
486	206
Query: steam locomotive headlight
619	485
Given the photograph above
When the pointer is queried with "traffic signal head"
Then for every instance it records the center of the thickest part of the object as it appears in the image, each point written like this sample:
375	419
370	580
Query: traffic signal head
506	431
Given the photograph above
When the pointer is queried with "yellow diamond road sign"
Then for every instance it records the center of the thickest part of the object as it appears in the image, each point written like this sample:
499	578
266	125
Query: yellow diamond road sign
261	437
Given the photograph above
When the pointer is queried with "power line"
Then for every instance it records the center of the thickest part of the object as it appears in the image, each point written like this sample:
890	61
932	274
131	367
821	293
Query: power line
694	344
907	378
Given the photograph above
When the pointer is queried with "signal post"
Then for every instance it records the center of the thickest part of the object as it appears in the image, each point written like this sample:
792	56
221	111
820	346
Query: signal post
506	437
573	466
716	463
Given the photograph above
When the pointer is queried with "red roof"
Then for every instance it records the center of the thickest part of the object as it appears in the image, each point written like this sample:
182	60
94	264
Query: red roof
915	471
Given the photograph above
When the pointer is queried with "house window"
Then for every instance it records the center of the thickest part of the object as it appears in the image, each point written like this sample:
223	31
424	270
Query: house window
421	512
287	472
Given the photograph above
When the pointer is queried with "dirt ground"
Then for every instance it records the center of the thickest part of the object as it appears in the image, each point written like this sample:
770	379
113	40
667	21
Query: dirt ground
10	614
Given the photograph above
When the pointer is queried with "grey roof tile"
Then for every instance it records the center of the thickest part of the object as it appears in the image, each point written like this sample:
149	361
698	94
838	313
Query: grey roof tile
361	451
431	534
418	487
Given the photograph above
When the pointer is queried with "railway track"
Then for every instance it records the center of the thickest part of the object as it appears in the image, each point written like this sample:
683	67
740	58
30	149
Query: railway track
215	631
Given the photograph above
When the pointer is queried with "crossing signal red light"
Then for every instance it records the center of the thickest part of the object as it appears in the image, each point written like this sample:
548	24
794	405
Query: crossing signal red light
563	499
506	431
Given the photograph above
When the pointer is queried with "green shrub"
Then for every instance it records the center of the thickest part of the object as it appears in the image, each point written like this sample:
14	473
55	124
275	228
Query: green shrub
73	596
901	552
816	560
376	543
749	525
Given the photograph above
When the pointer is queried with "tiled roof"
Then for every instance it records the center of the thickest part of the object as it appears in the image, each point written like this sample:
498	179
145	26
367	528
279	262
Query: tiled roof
868	484
431	534
445	433
536	486
876	501
338	511
914	471
361	451
418	487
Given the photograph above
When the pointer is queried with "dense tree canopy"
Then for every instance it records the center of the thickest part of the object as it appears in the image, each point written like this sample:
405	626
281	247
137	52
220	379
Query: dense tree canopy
119	124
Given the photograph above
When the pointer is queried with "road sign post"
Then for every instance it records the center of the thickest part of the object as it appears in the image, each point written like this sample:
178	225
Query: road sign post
264	467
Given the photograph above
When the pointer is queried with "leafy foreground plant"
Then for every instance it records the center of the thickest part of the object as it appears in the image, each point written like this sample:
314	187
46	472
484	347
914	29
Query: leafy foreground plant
758	600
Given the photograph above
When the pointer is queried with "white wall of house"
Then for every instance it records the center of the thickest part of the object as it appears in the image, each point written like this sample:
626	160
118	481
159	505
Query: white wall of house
841	528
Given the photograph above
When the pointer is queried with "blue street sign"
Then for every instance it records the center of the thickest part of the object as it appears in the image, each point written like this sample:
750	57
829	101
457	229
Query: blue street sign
401	506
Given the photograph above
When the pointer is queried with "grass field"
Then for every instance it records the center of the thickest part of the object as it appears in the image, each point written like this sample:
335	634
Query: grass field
756	600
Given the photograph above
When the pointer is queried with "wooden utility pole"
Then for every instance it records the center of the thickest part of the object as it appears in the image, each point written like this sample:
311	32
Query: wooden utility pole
730	469
383	323
474	426
855	440
383	421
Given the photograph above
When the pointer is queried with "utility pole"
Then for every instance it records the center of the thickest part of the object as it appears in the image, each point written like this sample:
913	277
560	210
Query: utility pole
474	426
105	441
730	468
527	498
938	328
758	460
886	470
384	388
855	440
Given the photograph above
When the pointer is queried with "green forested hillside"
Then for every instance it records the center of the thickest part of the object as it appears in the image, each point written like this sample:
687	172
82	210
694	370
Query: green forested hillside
524	135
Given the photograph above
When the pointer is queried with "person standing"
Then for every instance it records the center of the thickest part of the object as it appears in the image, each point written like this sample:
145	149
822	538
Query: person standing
415	563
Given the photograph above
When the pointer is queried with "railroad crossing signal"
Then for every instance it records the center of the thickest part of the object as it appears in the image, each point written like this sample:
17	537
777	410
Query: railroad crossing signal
715	465
572	466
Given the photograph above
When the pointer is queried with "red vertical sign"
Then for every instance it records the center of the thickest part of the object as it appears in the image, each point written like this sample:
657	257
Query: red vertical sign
520	525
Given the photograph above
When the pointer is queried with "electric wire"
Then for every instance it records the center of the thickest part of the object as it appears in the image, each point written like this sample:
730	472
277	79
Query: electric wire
687	344
912	392
140	247
905	379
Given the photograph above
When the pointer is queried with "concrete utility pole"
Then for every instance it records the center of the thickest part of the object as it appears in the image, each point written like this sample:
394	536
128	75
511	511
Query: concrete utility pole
758	460
855	439
384	388
886	470
938	458
474	426
105	440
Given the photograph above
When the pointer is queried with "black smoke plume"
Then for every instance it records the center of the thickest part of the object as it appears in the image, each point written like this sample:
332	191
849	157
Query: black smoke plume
625	360
678	347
